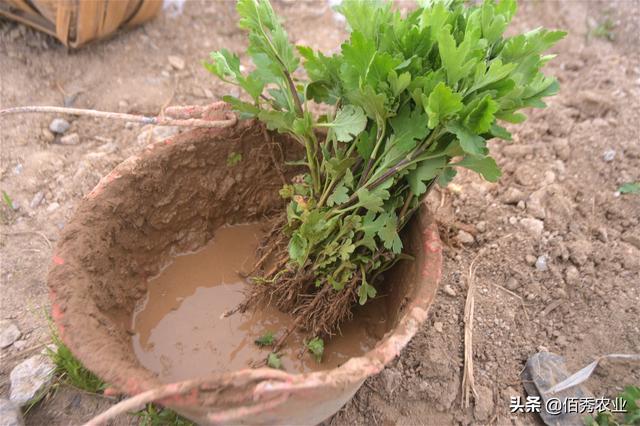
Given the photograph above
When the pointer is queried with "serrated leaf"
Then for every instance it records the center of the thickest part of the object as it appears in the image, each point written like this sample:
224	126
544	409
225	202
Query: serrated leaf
441	104
369	200
388	232
481	117
365	292
339	195
470	142
486	166
350	121
425	171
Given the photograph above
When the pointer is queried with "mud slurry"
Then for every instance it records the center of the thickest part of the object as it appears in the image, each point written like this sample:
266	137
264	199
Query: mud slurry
180	332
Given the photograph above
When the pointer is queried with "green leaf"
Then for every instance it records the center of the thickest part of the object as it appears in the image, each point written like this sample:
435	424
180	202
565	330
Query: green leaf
426	170
266	339
457	60
369	200
350	121
388	233
365	292
339	195
7	200
470	142
446	176
630	188
273	361
298	248
481	117
486	166
441	104
316	347
500	132
224	64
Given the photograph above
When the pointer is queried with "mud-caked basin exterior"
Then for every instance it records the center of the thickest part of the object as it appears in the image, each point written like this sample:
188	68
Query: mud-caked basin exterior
171	199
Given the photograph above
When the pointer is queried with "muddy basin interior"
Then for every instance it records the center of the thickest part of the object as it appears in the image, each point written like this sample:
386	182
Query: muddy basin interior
171	199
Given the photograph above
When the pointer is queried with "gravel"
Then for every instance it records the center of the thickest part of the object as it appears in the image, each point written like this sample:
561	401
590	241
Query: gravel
29	378
59	125
9	333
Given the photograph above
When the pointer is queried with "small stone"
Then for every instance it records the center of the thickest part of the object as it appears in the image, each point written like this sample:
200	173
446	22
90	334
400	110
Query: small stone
449	290
579	251
36	200
10	414
59	125
512	196
176	62
530	259
29	378
541	263
438	326
521	205
70	139
9	333
391	379
513	220
53	207
48	136
481	226
534	227
572	275
609	155
208	93
535	204
603	235
465	238
512	284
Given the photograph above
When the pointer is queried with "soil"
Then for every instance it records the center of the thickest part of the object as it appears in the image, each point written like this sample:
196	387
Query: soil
181	334
585	304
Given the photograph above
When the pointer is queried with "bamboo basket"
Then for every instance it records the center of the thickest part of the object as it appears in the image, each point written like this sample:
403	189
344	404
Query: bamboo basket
77	22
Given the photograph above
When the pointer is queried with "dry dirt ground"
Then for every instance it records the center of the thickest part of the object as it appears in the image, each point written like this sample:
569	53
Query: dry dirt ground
587	303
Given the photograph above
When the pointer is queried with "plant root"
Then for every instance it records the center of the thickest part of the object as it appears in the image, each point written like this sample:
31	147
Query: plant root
318	310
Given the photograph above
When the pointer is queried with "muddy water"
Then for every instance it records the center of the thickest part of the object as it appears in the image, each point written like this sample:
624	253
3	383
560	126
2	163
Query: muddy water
179	332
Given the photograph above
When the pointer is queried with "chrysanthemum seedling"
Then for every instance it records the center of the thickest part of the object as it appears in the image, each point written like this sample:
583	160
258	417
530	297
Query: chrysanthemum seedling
413	99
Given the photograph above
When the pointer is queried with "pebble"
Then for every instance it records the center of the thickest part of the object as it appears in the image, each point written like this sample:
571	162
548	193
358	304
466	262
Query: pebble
534	227
464	237
29	378
579	251
37	199
48	136
449	290
521	205
10	414
609	155
176	62
572	275
481	226
438	326
53	207
18	169
9	333
512	196
512	284
541	263
535	204
70	139
208	93
513	220
391	379
59	125
530	259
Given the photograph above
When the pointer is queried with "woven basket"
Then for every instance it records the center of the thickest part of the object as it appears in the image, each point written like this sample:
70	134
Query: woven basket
76	22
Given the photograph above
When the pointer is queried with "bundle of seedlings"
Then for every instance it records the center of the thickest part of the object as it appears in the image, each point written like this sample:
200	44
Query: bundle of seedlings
411	98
